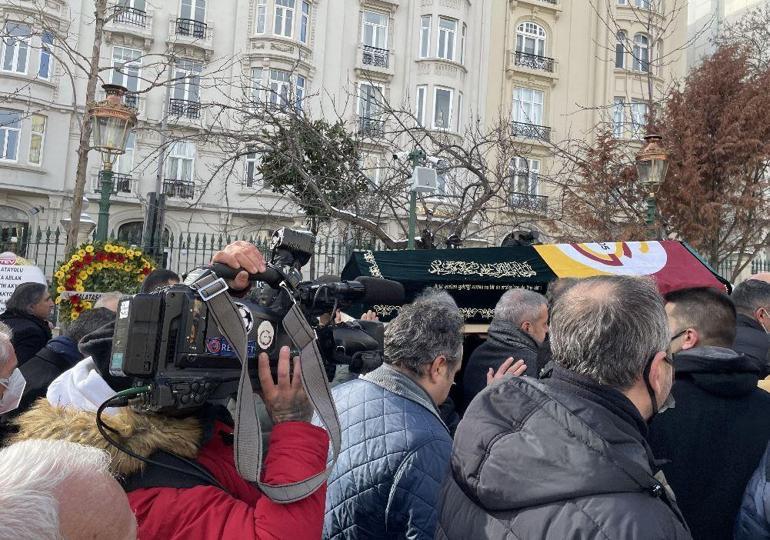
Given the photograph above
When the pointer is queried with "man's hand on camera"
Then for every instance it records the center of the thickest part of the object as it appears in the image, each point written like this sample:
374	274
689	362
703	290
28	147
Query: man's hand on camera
287	400
244	255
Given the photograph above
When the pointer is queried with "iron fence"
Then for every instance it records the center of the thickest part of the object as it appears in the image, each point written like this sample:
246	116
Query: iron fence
182	253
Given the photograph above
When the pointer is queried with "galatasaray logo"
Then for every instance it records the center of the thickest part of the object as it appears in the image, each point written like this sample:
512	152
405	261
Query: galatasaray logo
616	258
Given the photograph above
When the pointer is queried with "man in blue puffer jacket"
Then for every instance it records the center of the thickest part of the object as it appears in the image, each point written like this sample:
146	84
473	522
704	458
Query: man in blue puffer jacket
754	518
395	448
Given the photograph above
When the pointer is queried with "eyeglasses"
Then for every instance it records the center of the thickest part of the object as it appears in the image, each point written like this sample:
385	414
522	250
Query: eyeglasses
679	334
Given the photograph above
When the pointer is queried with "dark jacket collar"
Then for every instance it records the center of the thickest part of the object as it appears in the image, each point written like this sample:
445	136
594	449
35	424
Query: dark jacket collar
507	333
401	384
627	416
16	314
717	370
750	322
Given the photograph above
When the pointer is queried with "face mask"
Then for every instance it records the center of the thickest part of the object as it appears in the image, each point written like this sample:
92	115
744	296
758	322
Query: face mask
14	388
763	326
669	402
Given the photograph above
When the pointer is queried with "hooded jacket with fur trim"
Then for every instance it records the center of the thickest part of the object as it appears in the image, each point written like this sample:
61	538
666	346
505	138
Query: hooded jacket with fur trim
297	450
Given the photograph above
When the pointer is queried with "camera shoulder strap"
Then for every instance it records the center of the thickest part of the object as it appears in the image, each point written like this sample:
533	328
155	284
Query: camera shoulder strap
248	432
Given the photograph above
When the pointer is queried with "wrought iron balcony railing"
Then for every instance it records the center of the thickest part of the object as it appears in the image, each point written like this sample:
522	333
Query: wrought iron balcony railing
527	201
184	107
531	131
121	183
376	57
534	61
372	127
181	189
191	27
129	15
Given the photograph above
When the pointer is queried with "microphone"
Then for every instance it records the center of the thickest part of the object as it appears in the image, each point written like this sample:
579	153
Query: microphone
368	290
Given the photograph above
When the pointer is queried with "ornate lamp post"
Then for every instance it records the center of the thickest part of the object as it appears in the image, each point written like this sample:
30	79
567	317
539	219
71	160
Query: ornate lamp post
112	124
651	168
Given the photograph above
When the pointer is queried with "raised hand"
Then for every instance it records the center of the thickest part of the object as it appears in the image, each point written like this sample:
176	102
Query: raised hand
241	254
509	367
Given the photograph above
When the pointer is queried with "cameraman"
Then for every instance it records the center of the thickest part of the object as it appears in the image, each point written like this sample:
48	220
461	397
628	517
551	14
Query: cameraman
180	504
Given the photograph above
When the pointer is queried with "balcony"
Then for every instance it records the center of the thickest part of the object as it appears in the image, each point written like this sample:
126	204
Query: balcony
534	61
130	21
129	15
371	127
191	33
531	131
180	189
375	63
372	56
131	100
184	108
529	202
122	184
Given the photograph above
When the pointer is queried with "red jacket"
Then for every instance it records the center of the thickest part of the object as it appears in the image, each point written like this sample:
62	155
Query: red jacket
297	450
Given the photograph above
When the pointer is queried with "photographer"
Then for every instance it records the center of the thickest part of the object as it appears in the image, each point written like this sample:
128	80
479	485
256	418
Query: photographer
182	503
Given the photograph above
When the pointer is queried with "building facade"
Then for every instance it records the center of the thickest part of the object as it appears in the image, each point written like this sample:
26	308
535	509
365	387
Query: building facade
554	68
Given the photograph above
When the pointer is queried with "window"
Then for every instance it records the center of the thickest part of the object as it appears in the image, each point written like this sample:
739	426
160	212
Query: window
10	130
299	91
375	30
528	106
425	23
37	127
253	178
620	50
459	110
280	87
622	2
443	177
45	66
526	173
462	43
125	162
194	10
134	4
641	53
126	67
284	18
187	74
619	118
16	47
447	34
422	92
530	39
261	24
369	165
644	4
638	119
181	161
305	23
369	101
257	85
442	108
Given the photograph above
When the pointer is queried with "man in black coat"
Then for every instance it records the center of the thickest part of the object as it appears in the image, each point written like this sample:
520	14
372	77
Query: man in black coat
517	330
715	436
59	355
566	457
752	336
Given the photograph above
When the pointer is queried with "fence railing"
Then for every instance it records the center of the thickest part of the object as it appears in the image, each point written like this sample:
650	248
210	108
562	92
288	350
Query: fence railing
182	253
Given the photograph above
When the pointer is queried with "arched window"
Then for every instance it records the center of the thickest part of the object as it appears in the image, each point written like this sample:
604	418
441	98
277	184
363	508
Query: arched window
530	39
641	53
620	50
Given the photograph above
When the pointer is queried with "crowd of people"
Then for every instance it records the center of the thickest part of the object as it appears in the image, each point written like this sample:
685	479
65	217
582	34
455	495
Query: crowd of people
602	409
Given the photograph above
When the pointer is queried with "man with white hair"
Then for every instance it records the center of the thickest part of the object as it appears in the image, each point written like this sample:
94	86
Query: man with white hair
12	382
58	489
517	330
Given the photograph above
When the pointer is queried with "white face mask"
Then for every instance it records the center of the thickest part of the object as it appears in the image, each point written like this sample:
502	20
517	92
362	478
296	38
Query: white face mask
14	388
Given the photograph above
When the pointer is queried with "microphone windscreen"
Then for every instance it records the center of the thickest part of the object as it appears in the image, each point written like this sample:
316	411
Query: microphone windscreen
381	291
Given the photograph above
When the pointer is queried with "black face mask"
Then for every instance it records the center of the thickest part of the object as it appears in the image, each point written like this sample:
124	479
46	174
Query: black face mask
669	403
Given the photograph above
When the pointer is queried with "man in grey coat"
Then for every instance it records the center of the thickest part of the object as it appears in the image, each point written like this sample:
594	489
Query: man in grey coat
566	457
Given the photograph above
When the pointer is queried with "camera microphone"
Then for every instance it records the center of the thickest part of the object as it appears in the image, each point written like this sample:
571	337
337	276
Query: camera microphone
368	290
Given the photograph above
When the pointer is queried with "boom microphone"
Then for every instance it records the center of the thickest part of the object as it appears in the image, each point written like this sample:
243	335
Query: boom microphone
381	291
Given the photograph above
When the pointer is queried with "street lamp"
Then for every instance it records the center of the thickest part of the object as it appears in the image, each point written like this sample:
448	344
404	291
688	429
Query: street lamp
112	123
651	168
